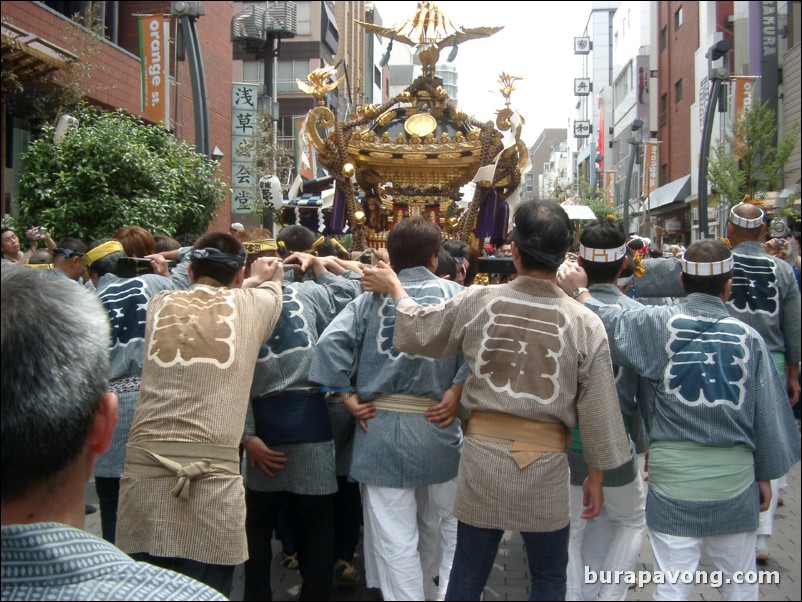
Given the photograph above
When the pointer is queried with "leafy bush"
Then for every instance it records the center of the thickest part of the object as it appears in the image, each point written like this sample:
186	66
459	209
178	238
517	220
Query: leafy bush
115	171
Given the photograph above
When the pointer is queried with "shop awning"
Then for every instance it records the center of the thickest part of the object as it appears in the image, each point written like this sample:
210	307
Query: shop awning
579	211
672	192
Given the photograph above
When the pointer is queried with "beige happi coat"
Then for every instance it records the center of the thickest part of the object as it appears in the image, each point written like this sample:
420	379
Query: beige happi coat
201	347
532	352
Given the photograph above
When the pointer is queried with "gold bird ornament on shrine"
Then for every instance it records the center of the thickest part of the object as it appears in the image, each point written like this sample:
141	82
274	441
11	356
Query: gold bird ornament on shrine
321	81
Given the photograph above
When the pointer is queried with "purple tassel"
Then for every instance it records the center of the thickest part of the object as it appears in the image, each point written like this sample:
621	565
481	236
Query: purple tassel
487	214
337	221
502	217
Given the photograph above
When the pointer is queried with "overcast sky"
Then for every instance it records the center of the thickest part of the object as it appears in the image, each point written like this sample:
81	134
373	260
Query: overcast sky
537	43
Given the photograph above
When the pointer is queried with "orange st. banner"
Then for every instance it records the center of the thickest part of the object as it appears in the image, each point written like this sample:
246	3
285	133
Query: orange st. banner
651	167
154	51
743	93
609	187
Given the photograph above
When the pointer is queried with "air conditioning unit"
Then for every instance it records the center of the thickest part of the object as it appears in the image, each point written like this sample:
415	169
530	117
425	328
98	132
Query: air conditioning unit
250	26
282	19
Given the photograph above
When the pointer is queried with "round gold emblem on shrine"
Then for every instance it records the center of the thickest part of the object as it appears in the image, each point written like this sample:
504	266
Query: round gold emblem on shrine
420	124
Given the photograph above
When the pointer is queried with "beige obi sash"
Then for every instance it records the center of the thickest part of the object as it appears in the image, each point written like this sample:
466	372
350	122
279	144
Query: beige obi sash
150	459
528	439
402	403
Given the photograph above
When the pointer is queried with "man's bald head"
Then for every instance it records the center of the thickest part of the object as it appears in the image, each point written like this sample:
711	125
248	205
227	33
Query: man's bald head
746	222
748	211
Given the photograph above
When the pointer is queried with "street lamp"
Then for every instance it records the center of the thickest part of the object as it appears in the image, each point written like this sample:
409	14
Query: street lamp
717	75
187	14
634	144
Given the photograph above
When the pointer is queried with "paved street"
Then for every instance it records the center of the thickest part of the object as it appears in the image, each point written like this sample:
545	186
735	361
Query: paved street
510	577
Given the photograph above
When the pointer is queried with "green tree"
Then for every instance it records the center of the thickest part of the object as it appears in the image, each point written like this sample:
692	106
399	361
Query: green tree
594	198
755	162
115	171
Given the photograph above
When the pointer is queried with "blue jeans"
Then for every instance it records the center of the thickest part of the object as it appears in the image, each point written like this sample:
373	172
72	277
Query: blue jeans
108	495
547	554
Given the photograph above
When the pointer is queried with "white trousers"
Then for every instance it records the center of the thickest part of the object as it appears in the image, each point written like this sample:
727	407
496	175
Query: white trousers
765	524
409	537
609	542
727	553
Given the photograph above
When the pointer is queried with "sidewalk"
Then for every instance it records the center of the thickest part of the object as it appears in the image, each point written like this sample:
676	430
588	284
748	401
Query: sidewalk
509	579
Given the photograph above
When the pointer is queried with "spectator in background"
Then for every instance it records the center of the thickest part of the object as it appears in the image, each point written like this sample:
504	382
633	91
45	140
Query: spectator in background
467	260
11	245
41	258
68	258
136	241
446	266
57	416
166	243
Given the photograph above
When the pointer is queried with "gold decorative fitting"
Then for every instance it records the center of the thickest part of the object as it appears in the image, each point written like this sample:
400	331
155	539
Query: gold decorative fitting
359	218
349	170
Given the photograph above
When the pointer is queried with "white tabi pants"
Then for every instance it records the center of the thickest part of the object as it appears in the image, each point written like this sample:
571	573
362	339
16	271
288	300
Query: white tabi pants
727	553
397	524
613	549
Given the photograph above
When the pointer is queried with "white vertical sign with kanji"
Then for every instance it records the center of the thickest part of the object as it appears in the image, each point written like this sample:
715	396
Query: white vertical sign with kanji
243	125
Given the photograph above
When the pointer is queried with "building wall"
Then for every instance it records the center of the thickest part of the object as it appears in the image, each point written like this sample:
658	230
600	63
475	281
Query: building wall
792	108
676	63
117	83
539	154
352	48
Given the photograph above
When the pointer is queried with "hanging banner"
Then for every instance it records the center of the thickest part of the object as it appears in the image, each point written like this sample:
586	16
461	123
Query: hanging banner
609	187
154	54
743	93
651	167
305	160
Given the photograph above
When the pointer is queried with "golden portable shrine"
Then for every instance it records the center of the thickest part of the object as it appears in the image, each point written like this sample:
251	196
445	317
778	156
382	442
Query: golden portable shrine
412	155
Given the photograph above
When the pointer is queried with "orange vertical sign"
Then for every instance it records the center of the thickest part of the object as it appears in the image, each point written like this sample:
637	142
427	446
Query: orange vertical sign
743	94
154	51
609	187
651	167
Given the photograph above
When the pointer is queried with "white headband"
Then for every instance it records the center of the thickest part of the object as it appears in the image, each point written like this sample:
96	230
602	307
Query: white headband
602	255
744	222
626	280
707	269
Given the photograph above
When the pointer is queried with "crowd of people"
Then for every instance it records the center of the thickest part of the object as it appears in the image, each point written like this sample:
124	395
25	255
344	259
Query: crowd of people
241	387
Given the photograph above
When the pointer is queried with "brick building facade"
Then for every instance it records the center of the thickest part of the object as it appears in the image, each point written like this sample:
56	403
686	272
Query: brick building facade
116	83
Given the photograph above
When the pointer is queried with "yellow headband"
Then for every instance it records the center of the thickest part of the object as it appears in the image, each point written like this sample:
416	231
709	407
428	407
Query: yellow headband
252	247
339	246
101	251
316	244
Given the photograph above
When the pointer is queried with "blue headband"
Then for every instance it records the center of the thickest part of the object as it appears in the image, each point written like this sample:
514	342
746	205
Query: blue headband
531	246
212	254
